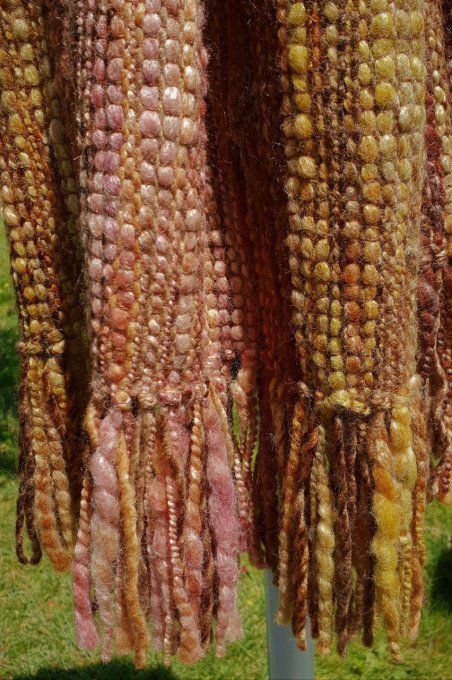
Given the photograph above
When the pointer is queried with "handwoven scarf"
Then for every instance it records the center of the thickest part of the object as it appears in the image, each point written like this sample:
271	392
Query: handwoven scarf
229	226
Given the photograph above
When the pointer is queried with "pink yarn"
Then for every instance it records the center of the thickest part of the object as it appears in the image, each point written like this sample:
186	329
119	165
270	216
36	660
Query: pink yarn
104	189
159	312
190	649
223	520
105	522
180	436
190	642
162	569
85	626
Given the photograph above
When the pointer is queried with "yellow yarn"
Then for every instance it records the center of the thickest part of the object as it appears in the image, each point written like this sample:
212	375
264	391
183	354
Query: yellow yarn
405	471
132	553
324	551
385	543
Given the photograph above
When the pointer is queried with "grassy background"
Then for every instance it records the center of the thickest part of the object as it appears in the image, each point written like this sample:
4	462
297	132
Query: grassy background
36	635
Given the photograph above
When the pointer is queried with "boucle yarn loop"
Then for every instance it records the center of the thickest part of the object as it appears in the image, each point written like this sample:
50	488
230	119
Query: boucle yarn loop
229	229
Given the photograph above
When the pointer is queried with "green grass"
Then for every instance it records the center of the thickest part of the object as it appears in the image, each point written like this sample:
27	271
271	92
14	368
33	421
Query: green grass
36	634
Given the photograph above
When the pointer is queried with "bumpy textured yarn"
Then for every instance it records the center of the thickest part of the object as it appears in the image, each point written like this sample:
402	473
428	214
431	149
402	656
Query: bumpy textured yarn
229	226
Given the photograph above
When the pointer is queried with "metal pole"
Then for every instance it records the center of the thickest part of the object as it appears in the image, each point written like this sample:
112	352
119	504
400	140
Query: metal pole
285	661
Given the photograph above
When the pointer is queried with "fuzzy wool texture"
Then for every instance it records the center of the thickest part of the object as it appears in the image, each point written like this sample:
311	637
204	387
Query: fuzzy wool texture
230	228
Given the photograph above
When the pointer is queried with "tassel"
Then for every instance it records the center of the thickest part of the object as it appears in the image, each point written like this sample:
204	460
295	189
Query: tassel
105	522
25	498
365	528
343	557
222	518
301	579
176	445
85	626
131	550
288	492
324	548
311	518
193	524
156	526
385	541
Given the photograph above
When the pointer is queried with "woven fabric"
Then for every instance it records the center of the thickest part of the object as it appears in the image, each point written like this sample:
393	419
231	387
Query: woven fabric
229	227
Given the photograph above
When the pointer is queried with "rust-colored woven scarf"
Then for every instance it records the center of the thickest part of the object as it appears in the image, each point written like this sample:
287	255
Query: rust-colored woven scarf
229	226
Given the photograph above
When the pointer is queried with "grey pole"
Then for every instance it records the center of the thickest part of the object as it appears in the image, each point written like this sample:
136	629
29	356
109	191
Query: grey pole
285	661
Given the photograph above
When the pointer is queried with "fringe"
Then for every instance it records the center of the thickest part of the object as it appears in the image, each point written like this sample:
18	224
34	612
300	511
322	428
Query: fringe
158	534
37	222
297	468
85	626
351	514
25	498
300	587
53	504
131	554
311	518
365	529
244	399
343	556
222	518
194	549
268	477
324	548
419	501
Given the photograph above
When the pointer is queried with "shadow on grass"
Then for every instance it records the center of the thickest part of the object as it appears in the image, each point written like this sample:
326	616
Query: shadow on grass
8	464
9	359
9	369
120	670
9	377
441	589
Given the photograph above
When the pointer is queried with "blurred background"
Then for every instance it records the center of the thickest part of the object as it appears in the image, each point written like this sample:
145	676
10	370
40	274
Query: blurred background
36	631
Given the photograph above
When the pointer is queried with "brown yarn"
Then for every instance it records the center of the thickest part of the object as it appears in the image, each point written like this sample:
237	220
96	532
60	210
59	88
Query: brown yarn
287	500
343	557
300	586
364	560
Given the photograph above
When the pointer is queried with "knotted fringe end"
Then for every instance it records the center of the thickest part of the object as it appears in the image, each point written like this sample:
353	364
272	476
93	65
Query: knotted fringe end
158	537
351	524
